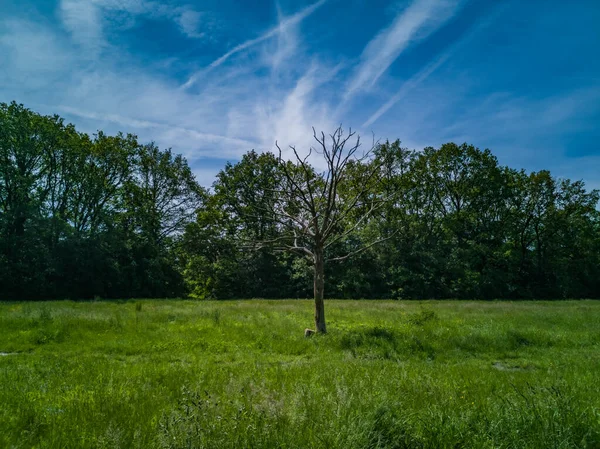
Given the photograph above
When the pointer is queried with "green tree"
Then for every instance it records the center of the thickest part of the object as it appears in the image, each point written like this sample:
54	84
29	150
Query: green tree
222	260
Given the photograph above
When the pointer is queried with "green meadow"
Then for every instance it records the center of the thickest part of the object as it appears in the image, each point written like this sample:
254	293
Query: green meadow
240	374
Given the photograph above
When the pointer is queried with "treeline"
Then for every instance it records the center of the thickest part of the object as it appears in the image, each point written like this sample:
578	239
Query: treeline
105	216
84	217
459	225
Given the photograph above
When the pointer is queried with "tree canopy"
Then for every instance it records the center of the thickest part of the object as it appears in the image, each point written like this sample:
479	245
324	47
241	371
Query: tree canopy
84	217
106	216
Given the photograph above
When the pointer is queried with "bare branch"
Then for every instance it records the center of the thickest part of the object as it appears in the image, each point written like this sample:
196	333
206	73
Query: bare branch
364	248
290	176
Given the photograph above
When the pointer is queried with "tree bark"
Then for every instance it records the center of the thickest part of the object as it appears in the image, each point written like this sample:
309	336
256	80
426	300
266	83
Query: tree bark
319	290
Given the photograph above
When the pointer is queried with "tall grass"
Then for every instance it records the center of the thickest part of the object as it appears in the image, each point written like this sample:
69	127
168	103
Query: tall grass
182	374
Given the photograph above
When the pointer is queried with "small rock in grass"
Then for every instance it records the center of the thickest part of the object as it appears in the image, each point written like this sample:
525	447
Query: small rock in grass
500	366
308	333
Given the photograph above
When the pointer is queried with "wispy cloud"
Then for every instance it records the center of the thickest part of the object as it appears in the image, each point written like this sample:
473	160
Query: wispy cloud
33	53
294	76
281	27
190	21
414	23
285	44
237	111
430	68
505	116
86	19
407	87
290	122
236	145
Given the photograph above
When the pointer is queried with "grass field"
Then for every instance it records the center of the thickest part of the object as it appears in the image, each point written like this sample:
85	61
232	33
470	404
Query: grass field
390	374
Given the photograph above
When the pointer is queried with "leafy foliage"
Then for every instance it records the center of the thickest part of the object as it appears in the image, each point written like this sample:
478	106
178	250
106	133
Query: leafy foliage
459	226
105	216
85	217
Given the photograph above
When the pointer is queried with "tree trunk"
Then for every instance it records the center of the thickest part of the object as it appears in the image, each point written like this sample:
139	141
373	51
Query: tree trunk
319	291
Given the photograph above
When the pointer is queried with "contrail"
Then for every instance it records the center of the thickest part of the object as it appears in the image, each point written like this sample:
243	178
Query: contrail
292	20
419	77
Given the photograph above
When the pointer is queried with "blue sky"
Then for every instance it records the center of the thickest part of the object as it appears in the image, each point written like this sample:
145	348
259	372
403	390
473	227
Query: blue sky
214	79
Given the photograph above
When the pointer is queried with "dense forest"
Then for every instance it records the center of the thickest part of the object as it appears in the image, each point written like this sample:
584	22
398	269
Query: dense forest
108	217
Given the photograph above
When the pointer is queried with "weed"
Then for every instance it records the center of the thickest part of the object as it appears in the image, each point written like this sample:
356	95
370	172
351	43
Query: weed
422	317
216	316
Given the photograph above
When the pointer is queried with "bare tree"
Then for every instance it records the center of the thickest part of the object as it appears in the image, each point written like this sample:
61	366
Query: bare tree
317	209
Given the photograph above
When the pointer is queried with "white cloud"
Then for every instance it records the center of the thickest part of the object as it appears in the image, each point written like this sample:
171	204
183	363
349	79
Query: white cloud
236	111
505	116
157	110
83	19
291	121
30	52
87	20
189	21
430	68
206	176
283	26
414	23
279	93
284	46
406	88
